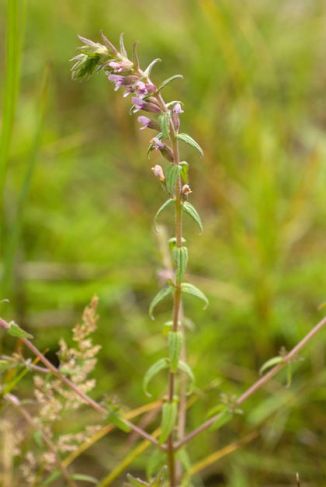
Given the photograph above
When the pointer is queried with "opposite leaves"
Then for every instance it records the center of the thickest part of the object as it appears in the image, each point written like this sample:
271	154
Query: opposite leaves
162	294
169	416
191	210
188	288
190	141
161	364
181	261
162	208
175	345
172	176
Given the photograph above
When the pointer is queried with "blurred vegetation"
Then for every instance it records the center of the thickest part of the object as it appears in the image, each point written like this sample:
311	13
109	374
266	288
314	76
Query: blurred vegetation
78	198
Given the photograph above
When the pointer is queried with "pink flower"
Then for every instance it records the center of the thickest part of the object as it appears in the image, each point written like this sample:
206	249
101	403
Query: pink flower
117	80
148	123
120	66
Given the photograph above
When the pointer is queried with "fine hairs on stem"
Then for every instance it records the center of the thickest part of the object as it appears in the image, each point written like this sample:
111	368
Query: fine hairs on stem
163	118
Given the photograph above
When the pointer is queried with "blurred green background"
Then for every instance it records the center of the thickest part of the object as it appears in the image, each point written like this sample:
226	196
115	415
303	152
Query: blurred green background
78	199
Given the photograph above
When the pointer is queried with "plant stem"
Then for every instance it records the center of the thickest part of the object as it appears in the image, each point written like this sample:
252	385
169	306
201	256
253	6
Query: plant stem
87	399
177	297
258	384
177	302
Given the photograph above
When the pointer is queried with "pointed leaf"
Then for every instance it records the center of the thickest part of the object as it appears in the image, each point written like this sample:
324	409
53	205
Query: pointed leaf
135	58
190	141
169	416
85	478
191	211
173	102
16	331
134	482
172	175
161	479
270	363
162	294
184	171
188	288
168	80
155	462
162	208
181	261
223	418
187	370
184	459
161	364
164	119
149	68
175	346
123	50
115	418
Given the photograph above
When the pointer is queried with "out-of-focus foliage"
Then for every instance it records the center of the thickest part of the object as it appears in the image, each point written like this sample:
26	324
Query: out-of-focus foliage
79	200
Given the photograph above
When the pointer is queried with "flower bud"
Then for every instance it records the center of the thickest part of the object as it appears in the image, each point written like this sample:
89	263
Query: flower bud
148	123
176	110
186	189
120	65
165	150
158	172
147	106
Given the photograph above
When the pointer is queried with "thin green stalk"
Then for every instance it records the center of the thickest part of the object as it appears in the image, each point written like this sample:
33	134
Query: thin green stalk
16	10
177	301
14	232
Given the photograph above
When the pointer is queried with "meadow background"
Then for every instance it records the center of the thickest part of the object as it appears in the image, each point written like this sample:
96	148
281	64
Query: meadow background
78	199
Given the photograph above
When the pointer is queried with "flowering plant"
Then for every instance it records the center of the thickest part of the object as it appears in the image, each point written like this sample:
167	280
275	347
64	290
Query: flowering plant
67	387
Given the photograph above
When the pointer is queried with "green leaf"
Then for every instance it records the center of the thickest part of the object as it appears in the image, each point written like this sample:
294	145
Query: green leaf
187	370
184	171
149	68
123	50
169	416
223	418
188	288
162	208
155	462
181	261
115	418
164	119
161	479
168	80
190	141
175	346
133	482
85	478
162	294
270	363
184	459
161	364
172	175
16	331
191	210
